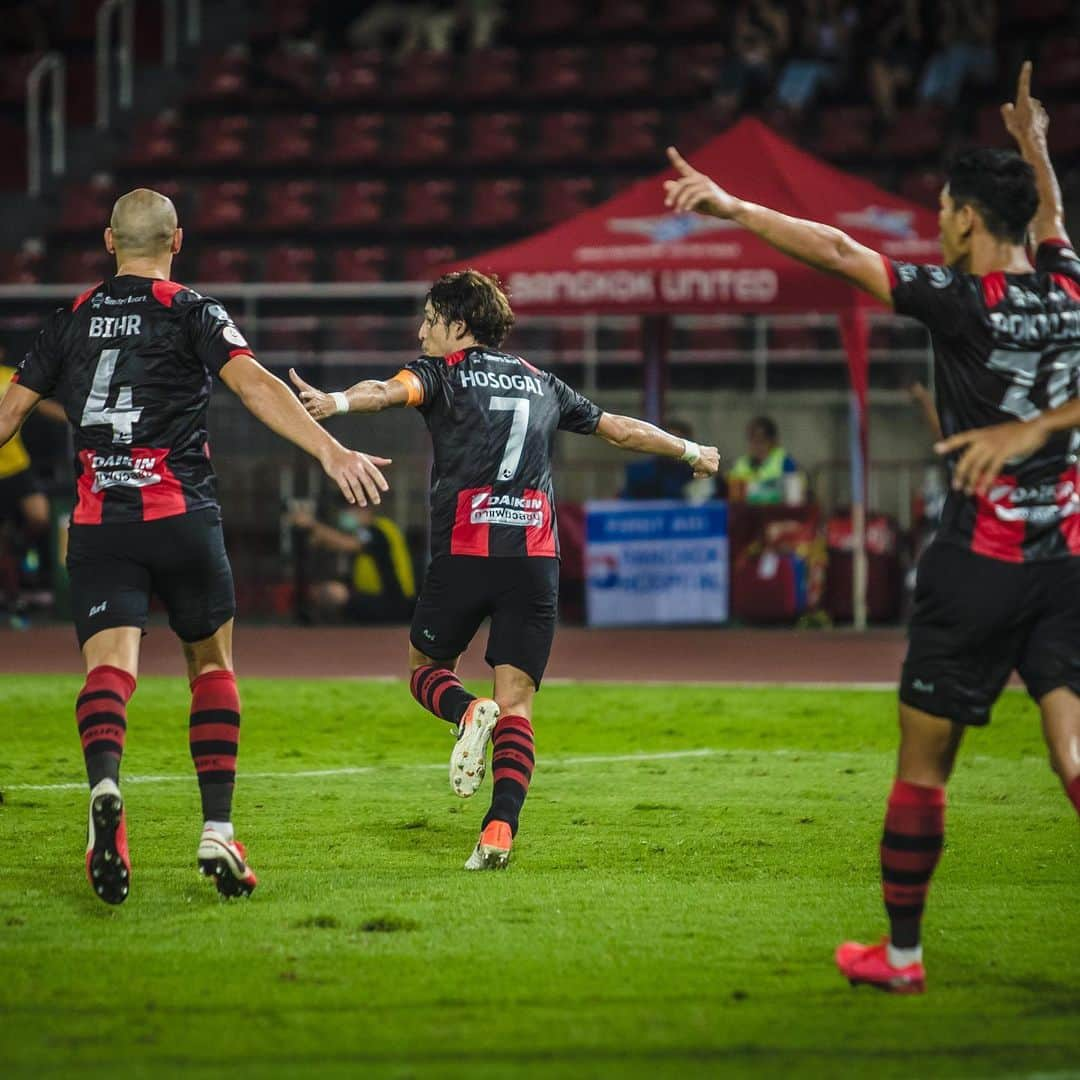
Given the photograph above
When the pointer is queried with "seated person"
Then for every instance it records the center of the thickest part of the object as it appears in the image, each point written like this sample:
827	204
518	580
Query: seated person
660	477
380	586
758	477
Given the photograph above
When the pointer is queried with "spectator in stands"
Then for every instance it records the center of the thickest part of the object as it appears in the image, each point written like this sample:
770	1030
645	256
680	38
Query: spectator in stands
761	34
379	586
824	41
661	477
966	50
760	475
895	47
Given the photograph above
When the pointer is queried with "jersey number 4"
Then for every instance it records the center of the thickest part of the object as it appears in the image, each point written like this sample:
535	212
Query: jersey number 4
123	416
515	441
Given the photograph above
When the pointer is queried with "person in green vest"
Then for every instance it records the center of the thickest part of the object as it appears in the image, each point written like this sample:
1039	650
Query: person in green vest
758	476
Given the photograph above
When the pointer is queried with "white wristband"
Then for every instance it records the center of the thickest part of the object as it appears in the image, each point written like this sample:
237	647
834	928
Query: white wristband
341	402
691	452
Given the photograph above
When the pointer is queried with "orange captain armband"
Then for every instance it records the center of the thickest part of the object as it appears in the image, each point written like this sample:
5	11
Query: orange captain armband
413	385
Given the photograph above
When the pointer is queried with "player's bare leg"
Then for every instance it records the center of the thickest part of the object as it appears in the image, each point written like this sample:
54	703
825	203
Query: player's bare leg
910	849
214	737
112	664
512	760
1061	728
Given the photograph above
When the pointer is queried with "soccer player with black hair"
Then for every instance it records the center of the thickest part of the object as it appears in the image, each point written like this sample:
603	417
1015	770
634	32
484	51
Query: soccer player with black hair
999	587
494	544
132	362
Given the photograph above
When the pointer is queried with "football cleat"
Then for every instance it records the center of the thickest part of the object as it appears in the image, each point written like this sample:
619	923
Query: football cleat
869	964
226	862
467	764
108	865
492	851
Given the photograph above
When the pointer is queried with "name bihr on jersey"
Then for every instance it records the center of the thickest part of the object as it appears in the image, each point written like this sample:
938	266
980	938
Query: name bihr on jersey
131	363
493	418
1006	347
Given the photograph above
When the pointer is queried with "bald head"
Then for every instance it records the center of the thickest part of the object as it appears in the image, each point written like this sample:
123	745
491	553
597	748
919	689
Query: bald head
143	224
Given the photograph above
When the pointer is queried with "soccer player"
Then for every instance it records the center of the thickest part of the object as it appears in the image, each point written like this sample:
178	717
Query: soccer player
131	362
494	545
999	587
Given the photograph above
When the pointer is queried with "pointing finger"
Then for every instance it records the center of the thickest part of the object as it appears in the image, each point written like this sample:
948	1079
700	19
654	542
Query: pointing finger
679	161
1023	86
297	381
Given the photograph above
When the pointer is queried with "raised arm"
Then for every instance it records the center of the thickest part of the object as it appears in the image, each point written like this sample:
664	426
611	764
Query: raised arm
821	246
629	433
272	402
368	396
1027	122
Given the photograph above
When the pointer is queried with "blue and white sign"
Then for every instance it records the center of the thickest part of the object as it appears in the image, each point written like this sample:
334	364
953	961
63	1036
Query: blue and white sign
655	563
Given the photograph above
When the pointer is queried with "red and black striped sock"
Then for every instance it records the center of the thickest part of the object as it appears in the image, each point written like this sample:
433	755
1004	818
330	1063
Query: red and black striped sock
1073	789
214	734
440	691
101	712
910	849
513	756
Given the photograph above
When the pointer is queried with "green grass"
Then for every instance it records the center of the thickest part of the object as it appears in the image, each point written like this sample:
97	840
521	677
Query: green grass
662	917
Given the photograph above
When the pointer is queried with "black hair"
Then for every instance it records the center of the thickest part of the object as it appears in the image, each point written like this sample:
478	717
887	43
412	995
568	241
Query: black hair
1001	186
475	299
767	426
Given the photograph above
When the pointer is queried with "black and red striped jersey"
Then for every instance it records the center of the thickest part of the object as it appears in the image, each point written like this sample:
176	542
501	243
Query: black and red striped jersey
131	362
493	418
1006	347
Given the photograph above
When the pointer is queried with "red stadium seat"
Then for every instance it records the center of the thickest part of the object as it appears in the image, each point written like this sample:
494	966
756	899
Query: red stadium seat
496	203
624	71
156	141
357	138
493	75
563	197
1059	63
689	15
222	205
845	132
923	186
365	332
564	136
558	73
221	77
293	265
223	140
355	76
632	135
423	76
360	264
428	203
288	138
294	69
418	264
289	204
545	18
494	136
88	206
22	267
621	16
918	132
83	267
426	139
223	265
358	203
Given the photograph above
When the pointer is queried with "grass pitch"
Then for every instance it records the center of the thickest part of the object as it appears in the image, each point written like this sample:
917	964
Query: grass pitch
668	912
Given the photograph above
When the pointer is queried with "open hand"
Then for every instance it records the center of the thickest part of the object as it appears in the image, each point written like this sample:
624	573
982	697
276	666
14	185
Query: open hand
356	474
1025	119
987	450
319	405
695	191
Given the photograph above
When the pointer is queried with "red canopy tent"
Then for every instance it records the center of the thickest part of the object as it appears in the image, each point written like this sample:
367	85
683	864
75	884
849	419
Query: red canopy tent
631	255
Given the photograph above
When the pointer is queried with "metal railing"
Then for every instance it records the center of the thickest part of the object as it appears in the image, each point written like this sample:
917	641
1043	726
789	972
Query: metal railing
51	67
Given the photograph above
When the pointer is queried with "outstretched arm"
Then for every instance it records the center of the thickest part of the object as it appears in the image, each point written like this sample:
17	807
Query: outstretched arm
821	246
1027	122
269	399
369	396
629	433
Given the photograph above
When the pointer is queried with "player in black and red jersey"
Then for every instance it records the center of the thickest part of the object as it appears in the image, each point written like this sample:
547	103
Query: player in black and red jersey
494	543
1000	585
132	361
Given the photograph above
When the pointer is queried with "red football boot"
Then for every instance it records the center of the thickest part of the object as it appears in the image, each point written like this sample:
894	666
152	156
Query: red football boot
869	964
108	865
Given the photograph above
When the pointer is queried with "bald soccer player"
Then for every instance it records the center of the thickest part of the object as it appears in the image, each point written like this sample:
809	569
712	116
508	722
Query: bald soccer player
131	361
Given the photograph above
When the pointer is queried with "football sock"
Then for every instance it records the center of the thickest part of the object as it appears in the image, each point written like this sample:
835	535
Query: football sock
1073	788
223	827
214	735
512	758
903	957
101	712
910	849
440	691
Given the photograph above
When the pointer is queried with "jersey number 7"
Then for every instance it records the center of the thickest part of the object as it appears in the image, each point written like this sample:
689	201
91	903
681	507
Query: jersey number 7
515	441
123	416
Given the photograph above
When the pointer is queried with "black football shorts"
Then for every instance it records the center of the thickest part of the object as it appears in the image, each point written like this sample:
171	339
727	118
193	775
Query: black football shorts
114	570
976	619
519	594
